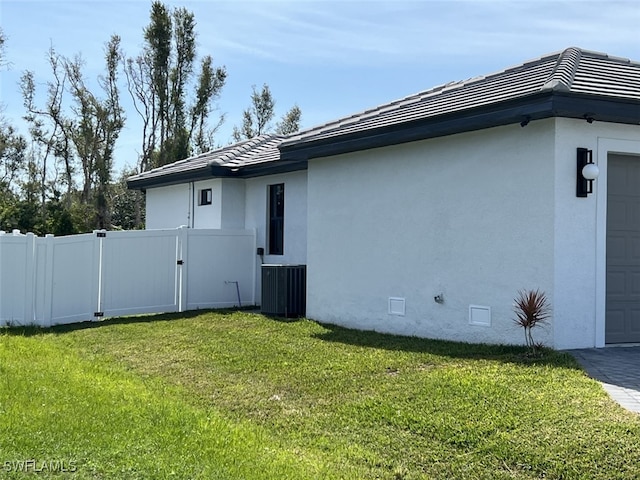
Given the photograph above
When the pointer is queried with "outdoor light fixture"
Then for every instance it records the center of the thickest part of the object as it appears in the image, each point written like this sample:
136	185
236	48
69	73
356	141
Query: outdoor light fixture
586	172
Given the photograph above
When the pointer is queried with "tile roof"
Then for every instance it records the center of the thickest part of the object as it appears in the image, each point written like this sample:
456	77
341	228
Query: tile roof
570	72
226	161
573	83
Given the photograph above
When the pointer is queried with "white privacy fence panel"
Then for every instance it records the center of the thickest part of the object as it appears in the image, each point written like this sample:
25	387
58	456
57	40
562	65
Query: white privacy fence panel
55	280
145	266
41	295
16	285
219	272
71	274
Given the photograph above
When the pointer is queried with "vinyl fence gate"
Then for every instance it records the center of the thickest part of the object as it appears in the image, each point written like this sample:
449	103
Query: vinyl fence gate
51	280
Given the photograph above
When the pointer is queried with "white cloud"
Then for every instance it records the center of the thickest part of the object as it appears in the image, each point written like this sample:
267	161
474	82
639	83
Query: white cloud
396	33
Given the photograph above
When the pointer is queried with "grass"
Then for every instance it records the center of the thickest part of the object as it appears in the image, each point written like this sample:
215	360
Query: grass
235	395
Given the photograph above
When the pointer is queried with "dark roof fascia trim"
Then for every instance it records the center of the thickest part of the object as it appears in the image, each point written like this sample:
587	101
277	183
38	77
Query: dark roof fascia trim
599	108
169	179
274	168
258	170
217	171
533	107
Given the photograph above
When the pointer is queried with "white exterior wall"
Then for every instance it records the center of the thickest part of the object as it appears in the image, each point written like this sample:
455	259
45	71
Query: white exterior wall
232	214
236	204
295	219
580	226
468	216
295	215
167	207
206	216
176	205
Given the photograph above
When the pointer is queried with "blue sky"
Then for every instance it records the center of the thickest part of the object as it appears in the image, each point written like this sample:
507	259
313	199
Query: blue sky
331	58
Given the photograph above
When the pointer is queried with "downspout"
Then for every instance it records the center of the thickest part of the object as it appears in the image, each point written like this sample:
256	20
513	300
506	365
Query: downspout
191	208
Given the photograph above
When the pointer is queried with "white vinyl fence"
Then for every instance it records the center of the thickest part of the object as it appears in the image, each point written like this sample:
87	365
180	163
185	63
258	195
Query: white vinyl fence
54	280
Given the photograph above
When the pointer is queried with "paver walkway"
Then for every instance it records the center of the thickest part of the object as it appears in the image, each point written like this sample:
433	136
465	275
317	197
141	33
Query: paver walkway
618	369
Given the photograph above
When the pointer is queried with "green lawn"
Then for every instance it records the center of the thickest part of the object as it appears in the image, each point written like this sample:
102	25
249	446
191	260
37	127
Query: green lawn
235	395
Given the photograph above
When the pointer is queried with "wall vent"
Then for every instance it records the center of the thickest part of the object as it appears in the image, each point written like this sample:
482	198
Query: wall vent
396	306
480	315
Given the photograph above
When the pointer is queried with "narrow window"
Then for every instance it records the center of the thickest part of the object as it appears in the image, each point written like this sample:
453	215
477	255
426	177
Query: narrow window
276	219
205	197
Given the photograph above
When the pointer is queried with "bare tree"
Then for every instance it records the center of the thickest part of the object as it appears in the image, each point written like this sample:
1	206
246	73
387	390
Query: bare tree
210	83
96	128
49	130
3	40
12	146
140	86
81	137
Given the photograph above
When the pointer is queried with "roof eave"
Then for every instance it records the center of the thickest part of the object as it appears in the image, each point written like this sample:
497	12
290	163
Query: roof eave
165	180
258	169
533	107
272	168
597	107
217	171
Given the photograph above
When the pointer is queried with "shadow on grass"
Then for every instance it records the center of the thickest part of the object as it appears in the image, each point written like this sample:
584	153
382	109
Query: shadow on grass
337	334
480	351
27	331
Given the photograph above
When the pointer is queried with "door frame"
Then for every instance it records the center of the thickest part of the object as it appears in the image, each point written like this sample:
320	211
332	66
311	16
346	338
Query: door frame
606	146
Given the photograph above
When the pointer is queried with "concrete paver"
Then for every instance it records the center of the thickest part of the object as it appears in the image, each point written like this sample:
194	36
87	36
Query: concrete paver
618	369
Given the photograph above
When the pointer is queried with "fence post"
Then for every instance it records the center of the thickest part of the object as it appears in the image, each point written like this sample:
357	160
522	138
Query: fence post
29	277
47	308
182	271
99	238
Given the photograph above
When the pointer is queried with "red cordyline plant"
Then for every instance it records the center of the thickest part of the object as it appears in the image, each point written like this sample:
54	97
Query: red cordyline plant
531	308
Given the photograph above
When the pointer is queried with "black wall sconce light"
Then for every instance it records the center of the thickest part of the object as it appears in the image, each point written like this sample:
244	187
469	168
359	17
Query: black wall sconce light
586	173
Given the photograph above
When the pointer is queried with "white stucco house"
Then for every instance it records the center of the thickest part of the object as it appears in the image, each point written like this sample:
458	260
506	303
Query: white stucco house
425	216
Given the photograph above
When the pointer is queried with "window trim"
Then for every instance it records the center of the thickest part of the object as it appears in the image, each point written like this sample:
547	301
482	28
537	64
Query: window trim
275	218
205	197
